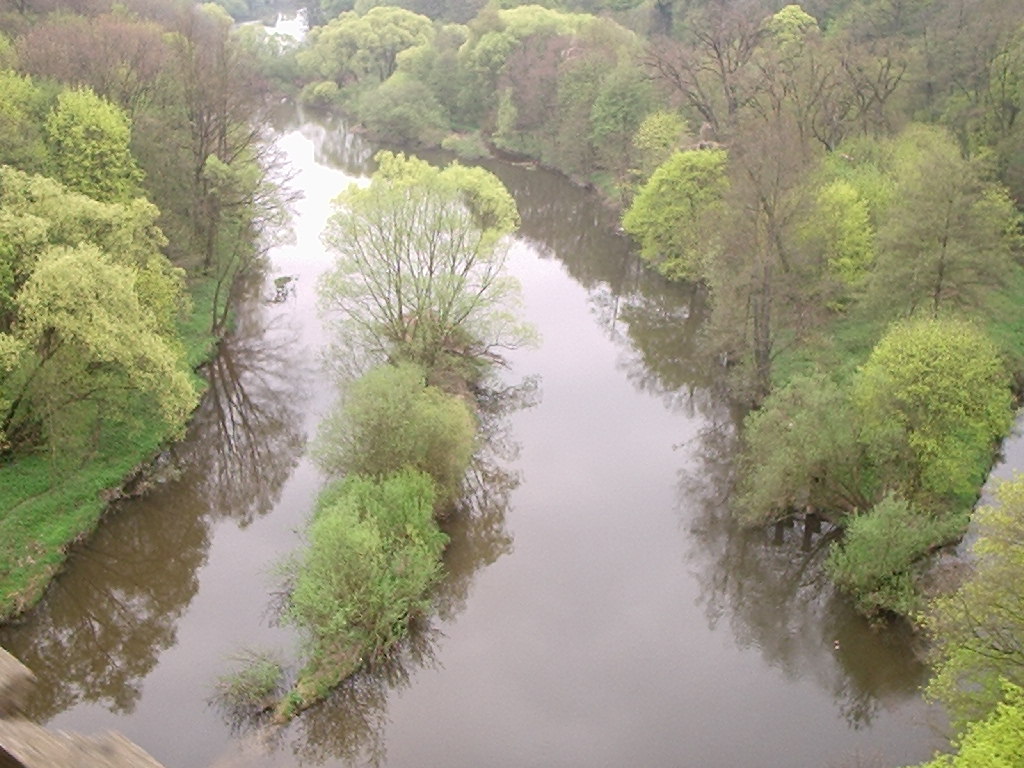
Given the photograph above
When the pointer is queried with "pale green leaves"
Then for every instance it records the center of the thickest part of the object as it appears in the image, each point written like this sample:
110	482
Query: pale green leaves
37	213
978	631
91	305
674	213
353	47
420	269
934	399
87	339
879	560
841	227
391	420
88	139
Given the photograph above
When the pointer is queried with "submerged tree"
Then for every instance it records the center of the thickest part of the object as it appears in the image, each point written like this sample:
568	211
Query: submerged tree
420	269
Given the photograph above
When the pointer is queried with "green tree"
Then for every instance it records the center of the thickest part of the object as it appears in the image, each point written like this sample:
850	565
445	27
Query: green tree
881	550
933	398
947	238
420	268
839	227
619	108
44	229
37	214
90	352
997	741
353	47
89	147
802	452
660	135
21	134
391	419
374	552
402	110
977	632
673	213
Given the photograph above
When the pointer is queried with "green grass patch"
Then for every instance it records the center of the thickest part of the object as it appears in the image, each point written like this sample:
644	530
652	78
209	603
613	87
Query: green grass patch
253	687
838	347
46	506
200	343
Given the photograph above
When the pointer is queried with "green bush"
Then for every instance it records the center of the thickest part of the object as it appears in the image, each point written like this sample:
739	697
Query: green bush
468	146
874	564
391	420
253	687
373	554
403	110
994	742
321	94
934	400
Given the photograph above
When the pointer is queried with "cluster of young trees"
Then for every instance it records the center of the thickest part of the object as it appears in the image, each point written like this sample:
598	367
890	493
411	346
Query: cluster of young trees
860	268
420	302
131	178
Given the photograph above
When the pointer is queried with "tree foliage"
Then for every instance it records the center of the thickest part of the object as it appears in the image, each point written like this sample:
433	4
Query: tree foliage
21	135
802	451
89	147
876	562
997	741
673	213
420	268
933	398
948	236
391	419
92	306
978	632
354	47
89	348
39	214
374	551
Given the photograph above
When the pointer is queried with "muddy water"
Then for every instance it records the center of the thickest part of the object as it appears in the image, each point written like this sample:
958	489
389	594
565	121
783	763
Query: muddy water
600	609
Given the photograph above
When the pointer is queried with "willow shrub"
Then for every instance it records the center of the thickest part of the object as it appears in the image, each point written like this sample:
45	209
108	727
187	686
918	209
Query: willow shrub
391	420
875	563
373	554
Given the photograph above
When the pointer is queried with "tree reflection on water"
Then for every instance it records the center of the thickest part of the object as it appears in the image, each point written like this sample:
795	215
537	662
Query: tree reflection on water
248	431
116	606
770	586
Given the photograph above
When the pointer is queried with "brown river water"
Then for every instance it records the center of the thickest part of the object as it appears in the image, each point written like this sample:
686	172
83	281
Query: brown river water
599	610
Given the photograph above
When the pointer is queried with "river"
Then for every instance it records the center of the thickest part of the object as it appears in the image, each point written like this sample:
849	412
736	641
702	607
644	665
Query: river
600	609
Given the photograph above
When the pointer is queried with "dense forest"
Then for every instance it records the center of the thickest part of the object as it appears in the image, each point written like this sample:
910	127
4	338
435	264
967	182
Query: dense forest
843	179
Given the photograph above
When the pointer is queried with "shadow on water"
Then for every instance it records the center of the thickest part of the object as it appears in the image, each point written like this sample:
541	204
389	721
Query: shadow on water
250	421
116	606
769	585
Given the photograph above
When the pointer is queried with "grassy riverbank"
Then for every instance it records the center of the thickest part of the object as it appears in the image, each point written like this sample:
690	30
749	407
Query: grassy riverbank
46	505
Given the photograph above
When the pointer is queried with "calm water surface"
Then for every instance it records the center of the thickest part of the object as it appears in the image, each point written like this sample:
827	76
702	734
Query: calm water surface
600	609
